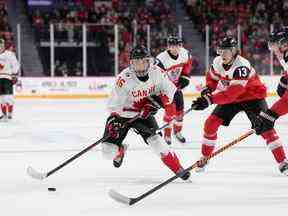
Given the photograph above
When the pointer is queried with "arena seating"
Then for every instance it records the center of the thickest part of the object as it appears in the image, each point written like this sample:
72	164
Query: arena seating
5	29
255	18
69	15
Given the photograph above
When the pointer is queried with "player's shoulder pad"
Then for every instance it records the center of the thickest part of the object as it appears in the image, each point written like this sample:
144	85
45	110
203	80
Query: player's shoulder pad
242	68
10	53
161	56
186	52
123	77
216	62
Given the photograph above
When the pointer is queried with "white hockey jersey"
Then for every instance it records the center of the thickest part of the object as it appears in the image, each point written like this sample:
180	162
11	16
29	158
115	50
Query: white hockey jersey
129	94
9	65
175	67
284	62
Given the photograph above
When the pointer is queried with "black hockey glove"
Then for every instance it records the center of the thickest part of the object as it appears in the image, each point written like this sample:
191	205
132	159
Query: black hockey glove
282	86
14	80
201	103
183	82
113	127
265	121
148	110
206	91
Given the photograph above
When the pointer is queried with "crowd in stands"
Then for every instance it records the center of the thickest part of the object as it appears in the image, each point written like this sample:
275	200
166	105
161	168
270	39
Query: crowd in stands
5	29
254	17
69	15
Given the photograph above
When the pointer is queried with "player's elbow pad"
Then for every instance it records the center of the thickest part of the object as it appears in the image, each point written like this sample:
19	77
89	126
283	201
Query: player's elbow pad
282	86
183	82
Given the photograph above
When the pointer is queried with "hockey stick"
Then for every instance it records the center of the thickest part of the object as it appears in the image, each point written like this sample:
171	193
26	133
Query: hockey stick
130	201
174	119
40	176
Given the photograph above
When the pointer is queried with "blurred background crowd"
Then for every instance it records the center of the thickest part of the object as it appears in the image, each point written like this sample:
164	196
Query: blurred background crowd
256	18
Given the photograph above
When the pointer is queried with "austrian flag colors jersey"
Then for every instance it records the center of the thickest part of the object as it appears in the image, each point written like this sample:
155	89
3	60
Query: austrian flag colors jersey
235	83
9	65
129	94
175	67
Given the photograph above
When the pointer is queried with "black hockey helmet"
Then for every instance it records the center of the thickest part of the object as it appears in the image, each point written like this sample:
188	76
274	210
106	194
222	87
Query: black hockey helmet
227	43
173	40
139	52
140	62
279	36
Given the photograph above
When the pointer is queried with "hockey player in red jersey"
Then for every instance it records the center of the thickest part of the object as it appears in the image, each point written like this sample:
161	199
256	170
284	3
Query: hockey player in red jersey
176	62
132	95
278	43
240	89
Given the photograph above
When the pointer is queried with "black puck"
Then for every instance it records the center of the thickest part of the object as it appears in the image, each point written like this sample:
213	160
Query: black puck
51	189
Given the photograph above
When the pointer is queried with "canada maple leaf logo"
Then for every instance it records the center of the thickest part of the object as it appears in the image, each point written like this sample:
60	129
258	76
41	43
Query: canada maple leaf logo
139	104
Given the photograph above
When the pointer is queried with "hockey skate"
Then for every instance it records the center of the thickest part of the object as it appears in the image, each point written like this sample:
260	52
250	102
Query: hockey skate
10	116
168	139
180	137
118	159
4	118
284	168
184	176
202	164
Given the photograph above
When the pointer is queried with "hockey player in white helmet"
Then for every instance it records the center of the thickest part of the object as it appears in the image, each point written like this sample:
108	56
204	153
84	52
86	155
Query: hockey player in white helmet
176	62
9	67
130	97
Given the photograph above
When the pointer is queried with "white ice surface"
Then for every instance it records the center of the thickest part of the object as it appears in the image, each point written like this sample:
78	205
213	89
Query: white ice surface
243	180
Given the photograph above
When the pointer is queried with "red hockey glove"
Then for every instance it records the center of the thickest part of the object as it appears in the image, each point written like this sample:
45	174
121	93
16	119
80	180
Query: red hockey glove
148	110
113	127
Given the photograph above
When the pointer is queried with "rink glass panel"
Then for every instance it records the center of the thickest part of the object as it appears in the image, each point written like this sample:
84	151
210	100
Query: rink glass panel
103	50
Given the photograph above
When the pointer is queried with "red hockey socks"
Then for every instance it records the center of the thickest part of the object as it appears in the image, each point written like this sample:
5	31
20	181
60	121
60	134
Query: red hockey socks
167	132
171	161
5	108
210	134
275	145
177	126
208	146
10	108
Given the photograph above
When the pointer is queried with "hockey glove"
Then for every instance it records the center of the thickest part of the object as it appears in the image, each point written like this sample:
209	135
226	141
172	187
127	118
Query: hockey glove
206	91
113	127
148	110
265	121
183	82
14	80
282	86
201	103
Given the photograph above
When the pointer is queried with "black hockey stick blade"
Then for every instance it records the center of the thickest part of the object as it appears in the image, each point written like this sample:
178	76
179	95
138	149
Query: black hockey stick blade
40	176
130	201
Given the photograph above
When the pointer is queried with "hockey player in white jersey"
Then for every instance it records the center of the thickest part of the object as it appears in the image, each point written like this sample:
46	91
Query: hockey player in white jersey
9	67
130	97
176	62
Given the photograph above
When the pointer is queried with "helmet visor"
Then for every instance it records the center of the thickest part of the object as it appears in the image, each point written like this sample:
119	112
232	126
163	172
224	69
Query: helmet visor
223	51
140	66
